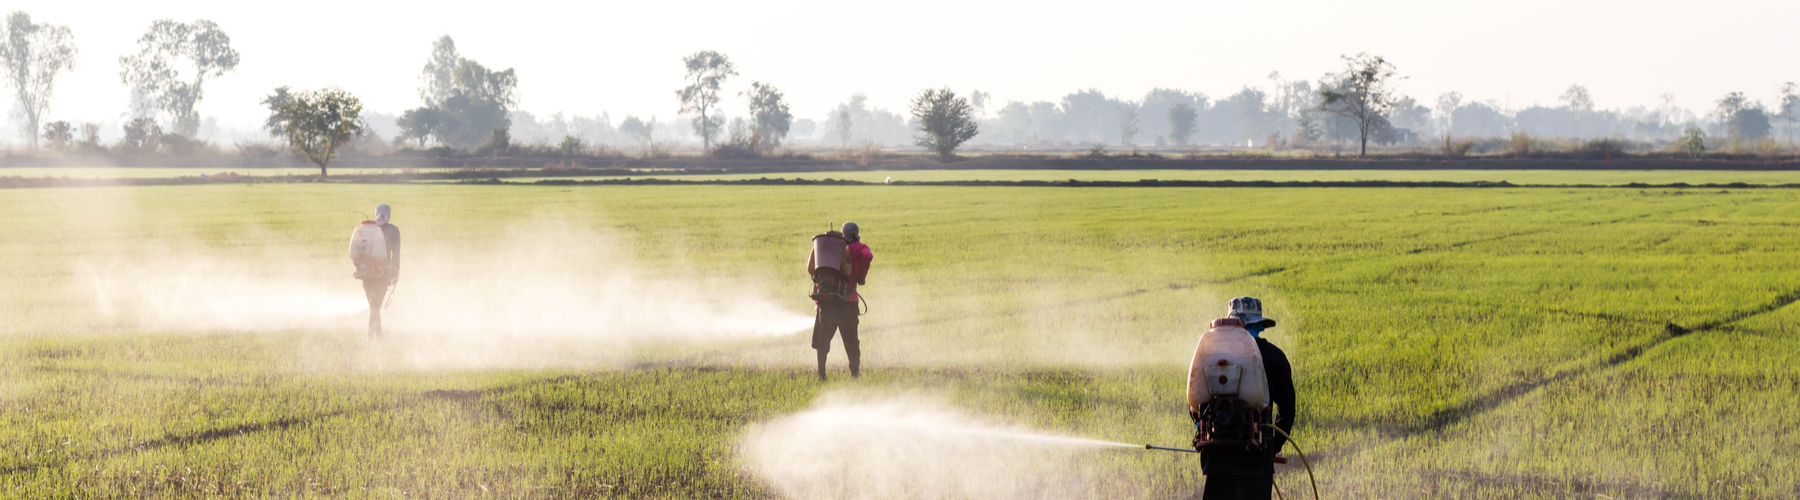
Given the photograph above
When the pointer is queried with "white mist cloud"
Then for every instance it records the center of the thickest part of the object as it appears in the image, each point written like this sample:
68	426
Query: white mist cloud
912	448
546	295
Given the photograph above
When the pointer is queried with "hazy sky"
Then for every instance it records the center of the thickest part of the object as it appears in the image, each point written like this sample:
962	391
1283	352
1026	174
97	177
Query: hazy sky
625	57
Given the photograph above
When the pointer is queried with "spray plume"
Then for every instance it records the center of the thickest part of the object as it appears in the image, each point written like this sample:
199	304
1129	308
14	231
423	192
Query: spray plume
539	296
913	448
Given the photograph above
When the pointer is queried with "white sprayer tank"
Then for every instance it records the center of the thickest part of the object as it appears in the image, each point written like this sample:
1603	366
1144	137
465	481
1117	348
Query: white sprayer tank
1227	363
368	246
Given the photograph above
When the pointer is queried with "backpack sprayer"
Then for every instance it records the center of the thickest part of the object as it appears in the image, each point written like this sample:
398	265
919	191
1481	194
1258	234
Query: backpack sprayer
1228	396
369	253
832	269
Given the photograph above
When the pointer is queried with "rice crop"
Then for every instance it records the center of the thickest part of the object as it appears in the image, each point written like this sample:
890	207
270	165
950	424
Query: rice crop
1461	343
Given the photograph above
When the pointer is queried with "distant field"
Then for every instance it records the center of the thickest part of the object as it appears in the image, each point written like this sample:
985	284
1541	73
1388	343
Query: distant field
151	172
201	341
1578	177
1594	177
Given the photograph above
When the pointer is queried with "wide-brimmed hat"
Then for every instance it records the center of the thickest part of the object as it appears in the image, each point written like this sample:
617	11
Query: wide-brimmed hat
1250	310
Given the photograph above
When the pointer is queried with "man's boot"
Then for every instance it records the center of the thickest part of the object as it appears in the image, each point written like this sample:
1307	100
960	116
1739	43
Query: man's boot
822	354
855	364
374	327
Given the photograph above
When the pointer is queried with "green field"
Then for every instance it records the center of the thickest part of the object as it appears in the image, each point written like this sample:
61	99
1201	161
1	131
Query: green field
1555	177
166	172
558	342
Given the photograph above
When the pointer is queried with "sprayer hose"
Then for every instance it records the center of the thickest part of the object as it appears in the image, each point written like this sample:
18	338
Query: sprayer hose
1303	460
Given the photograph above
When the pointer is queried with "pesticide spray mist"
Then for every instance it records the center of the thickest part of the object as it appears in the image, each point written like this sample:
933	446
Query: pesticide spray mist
914	447
538	295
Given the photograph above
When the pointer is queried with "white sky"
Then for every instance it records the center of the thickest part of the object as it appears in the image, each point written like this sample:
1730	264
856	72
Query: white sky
625	57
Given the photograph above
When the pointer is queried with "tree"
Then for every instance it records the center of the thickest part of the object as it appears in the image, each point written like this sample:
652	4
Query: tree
706	72
1579	103
317	122
465	102
1790	107
438	78
979	101
946	119
769	113
1446	108
34	55
59	133
1128	122
1363	93
1727	107
1182	118
639	129
167	45
141	133
274	102
1694	141
843	126
418	124
1750	123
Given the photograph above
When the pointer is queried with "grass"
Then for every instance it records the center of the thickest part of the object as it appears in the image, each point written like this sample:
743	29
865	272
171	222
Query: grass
1557	177
1447	342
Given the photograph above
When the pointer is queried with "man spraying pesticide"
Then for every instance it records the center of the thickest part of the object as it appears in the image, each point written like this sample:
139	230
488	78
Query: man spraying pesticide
1240	394
838	263
375	250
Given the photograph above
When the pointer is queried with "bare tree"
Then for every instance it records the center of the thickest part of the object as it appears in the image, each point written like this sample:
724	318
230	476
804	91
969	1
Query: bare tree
946	120
643	131
1128	122
319	121
1790	107
1727	108
167	45
1363	93
34	55
1446	105
1579	103
706	72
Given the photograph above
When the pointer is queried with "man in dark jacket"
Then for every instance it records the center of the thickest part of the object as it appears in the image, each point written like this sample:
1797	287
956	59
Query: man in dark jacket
376	288
836	316
1243	475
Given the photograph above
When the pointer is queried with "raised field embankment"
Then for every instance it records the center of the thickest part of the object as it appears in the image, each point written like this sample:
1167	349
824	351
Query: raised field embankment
703	165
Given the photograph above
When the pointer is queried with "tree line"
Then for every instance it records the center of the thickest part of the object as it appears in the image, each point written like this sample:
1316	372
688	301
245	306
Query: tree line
466	105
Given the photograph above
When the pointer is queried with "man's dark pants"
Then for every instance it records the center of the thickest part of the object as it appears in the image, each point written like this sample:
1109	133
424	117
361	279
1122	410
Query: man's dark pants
376	289
837	317
1232	487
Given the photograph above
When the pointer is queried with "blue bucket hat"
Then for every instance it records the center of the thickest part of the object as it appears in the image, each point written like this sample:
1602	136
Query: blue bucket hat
1250	310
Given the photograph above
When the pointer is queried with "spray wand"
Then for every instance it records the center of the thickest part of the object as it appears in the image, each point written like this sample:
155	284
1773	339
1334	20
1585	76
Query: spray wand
1279	460
390	299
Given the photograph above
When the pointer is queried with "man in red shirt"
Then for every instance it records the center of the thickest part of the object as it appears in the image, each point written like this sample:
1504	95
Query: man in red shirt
840	316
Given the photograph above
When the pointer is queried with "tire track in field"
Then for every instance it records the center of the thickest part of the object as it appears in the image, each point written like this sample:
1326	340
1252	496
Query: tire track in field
1461	244
1542	484
1494	400
280	424
193	438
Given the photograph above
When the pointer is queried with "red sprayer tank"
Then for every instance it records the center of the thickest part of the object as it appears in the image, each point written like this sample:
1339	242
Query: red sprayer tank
828	253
